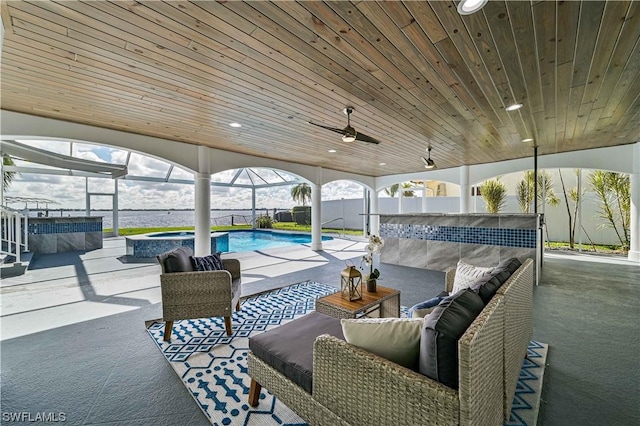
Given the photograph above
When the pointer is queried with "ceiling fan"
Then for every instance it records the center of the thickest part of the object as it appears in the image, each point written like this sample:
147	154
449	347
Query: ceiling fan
428	162
349	134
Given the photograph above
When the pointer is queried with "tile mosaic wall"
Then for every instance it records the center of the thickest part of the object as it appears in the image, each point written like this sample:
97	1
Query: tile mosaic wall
438	242
57	235
63	227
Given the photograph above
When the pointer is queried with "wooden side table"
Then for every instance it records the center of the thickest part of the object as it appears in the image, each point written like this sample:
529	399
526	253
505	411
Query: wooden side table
385	302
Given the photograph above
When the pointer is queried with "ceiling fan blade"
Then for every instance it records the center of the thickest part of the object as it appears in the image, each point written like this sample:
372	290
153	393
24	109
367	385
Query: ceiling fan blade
424	160
333	129
364	138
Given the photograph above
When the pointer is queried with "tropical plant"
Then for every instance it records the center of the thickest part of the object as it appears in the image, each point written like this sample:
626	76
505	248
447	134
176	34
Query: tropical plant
575	198
407	190
494	194
7	177
301	193
614	193
264	221
524	190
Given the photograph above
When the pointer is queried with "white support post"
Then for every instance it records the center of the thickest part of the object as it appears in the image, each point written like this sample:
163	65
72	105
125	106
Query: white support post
424	196
579	218
116	209
365	218
316	214
634	226
87	197
464	189
375	214
253	207
400	198
203	203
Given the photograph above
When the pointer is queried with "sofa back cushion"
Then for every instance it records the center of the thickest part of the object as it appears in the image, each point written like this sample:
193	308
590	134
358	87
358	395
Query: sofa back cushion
177	260
440	333
487	285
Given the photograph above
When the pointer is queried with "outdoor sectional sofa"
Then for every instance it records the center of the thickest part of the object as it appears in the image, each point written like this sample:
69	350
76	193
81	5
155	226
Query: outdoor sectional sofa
347	385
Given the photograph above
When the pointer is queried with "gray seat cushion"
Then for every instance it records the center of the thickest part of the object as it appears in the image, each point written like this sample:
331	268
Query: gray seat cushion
289	348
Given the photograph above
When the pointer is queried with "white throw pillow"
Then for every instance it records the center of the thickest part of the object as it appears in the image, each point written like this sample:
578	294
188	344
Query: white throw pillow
467	274
396	339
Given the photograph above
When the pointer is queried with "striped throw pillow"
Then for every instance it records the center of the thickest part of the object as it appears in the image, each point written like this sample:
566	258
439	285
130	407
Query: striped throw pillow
466	275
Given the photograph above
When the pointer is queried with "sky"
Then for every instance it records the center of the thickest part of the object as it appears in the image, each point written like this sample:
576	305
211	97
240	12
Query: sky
68	192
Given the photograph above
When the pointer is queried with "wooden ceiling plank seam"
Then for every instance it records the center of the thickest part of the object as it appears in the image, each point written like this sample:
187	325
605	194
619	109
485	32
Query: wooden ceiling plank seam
5	15
424	66
501	28
399	40
625	47
375	94
472	60
608	33
427	19
630	97
629	74
590	18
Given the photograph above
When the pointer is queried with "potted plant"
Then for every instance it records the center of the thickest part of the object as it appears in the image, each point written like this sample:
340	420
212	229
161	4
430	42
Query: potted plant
375	246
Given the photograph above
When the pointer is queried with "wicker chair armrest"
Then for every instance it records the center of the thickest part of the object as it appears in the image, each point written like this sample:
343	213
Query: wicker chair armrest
233	266
363	388
188	287
449	278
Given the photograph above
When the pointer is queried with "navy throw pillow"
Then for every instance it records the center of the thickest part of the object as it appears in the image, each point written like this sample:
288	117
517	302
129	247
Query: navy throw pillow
440	334
212	262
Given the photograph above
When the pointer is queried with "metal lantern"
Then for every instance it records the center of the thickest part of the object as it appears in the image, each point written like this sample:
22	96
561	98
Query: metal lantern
351	284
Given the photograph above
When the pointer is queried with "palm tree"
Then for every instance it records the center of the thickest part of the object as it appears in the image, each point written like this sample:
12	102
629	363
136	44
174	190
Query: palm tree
524	190
7	177
614	193
494	194
392	190
301	193
407	190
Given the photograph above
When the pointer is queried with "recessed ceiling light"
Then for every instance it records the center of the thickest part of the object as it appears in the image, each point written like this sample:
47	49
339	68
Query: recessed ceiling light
467	7
514	107
332	150
382	164
527	140
235	124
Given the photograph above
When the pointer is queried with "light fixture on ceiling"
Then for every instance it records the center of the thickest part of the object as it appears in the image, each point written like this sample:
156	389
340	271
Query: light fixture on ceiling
467	7
527	140
513	107
428	162
348	138
382	164
235	124
332	151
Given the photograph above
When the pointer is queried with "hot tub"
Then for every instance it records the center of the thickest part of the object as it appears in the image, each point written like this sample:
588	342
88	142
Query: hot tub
153	244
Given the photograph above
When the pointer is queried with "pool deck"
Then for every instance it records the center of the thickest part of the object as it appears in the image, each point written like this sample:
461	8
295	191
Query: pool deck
67	288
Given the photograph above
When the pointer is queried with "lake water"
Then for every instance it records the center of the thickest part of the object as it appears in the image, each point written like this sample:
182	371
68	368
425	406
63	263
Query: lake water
163	218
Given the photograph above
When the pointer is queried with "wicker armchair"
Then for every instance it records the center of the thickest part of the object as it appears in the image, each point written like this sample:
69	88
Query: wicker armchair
188	294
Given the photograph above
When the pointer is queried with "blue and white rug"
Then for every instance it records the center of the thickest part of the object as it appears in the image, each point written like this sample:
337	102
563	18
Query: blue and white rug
213	366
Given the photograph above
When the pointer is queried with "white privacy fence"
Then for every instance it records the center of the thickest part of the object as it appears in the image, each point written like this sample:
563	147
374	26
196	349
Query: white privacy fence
556	217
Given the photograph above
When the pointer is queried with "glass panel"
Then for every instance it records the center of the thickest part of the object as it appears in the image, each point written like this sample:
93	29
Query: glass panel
140	165
225	176
339	189
180	173
60	147
99	153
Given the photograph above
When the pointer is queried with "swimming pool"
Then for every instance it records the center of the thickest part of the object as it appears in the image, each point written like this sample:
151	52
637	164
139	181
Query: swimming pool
151	245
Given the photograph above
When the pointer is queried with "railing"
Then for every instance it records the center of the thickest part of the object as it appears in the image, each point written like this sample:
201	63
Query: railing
13	232
232	219
333	220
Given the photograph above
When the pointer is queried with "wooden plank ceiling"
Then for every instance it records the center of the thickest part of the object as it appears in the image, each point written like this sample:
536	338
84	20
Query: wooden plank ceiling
417	74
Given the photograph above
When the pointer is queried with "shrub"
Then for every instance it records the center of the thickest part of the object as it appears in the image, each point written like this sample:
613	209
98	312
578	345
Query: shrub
264	221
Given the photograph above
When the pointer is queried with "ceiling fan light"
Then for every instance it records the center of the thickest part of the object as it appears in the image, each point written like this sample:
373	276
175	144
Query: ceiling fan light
467	7
430	164
348	138
513	107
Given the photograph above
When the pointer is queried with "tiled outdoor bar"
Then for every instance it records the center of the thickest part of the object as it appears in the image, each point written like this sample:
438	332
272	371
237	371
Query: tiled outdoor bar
61	234
438	241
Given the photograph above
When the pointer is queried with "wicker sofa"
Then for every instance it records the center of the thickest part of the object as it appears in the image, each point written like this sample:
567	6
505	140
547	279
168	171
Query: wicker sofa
352	386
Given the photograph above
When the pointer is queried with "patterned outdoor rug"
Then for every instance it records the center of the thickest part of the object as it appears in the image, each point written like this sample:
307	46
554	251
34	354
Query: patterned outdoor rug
213	366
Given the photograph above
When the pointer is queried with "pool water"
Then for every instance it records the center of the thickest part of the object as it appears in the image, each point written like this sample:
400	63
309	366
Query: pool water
251	240
260	240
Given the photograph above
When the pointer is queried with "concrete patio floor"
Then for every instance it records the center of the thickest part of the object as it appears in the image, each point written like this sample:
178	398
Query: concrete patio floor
73	337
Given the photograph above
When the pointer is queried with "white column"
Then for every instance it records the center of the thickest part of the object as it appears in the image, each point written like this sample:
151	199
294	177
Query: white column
465	194
203	203
400	198
579	218
116	209
634	226
375	213
365	218
316	225
253	207
424	196
87	198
